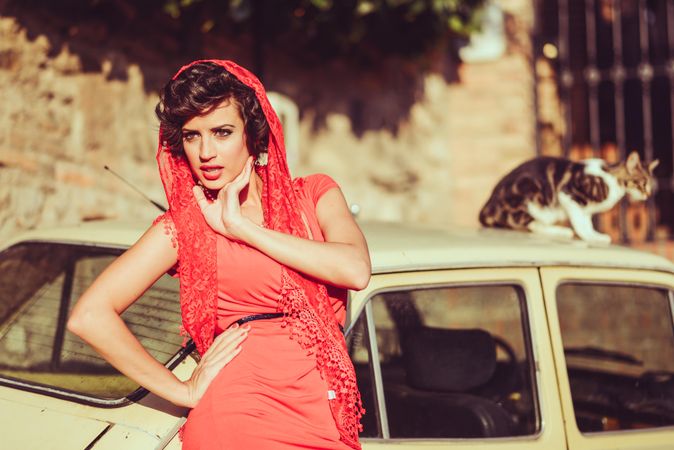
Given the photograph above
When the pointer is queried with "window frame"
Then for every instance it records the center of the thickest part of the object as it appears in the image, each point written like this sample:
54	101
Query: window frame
527	282
65	394
552	278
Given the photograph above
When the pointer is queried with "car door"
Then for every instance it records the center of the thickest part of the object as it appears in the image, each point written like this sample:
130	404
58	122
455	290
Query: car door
613	342
455	359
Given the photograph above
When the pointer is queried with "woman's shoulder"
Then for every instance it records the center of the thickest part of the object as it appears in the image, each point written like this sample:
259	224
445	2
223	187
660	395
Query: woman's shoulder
165	221
315	185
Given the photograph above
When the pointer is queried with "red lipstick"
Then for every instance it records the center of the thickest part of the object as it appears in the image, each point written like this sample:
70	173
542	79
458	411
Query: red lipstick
210	172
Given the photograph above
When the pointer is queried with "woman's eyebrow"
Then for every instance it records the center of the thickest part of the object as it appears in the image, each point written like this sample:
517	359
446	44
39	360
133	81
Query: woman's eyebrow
223	126
217	127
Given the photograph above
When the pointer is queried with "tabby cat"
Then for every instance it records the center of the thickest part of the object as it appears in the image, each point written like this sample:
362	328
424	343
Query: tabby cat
545	192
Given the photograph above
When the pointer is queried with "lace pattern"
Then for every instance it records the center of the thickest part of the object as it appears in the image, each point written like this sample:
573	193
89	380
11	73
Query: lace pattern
324	339
169	227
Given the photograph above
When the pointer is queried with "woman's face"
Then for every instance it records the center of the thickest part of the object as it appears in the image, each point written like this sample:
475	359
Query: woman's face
215	145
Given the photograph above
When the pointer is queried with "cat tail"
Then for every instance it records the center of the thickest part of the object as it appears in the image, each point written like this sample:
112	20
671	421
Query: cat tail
487	218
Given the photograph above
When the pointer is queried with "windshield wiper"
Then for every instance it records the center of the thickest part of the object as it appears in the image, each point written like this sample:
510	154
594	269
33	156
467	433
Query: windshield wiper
601	353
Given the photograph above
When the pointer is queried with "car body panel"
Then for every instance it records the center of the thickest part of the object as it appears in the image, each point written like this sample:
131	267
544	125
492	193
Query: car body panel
127	438
404	248
35	427
150	419
401	256
550	437
651	439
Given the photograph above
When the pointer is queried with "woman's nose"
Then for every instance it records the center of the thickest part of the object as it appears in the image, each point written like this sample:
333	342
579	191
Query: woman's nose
206	150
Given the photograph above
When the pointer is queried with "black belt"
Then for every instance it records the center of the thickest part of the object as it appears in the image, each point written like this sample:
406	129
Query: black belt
252	317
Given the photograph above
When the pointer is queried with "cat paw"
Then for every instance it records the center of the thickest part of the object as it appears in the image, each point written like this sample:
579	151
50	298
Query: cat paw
566	233
599	238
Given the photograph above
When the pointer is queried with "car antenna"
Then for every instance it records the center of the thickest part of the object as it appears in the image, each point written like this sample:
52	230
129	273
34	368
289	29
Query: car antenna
158	205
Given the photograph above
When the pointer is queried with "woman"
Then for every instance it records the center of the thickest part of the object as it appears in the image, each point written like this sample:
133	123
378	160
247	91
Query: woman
251	246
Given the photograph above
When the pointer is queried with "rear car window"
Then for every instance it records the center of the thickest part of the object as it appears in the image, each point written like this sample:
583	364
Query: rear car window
619	351
39	285
455	362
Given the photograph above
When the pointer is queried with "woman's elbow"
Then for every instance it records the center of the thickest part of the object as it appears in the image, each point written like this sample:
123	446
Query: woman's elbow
74	324
79	322
359	276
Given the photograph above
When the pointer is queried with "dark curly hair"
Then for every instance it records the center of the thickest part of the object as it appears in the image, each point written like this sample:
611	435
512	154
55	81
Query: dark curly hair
198	90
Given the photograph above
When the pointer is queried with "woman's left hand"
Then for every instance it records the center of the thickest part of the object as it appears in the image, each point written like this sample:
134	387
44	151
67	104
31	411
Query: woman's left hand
223	214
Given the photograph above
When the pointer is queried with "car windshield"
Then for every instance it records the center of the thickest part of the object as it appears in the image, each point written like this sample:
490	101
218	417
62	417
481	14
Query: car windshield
39	285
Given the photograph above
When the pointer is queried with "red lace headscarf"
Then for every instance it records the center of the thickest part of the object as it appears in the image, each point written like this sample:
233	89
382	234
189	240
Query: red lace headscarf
305	303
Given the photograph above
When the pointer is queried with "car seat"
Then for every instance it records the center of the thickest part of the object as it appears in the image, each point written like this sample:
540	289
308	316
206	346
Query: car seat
431	401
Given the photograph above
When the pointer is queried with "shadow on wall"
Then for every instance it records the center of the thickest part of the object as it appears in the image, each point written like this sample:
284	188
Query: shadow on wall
112	35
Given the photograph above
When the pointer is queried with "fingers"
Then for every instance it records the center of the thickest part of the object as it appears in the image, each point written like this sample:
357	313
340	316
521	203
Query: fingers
243	178
230	193
232	334
230	356
200	197
224	349
230	340
226	353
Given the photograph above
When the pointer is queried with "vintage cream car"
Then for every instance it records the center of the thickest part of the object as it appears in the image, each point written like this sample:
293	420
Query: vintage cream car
462	340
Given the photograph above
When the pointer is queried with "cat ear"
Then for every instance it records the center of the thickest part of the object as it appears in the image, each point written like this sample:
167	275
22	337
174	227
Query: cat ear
653	165
632	162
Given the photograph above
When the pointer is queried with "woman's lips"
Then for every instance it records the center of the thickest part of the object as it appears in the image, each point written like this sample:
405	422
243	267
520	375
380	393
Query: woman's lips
211	173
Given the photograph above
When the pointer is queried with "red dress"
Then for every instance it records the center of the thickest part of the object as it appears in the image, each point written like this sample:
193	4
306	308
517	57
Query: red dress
271	395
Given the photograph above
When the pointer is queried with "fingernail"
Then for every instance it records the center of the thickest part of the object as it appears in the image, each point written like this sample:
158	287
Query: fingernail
236	325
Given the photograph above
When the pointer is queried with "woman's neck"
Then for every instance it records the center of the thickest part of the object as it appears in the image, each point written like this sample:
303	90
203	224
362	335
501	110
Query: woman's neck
251	195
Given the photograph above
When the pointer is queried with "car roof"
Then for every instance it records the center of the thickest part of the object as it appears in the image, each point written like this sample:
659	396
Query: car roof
396	247
401	247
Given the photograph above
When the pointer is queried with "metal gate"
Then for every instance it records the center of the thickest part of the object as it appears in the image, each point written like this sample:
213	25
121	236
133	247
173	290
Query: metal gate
612	62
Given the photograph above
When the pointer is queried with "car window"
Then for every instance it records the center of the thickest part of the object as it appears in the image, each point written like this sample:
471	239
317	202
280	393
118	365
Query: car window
455	362
39	285
619	350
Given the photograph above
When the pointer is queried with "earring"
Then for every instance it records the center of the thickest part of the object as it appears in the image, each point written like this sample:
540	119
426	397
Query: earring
262	159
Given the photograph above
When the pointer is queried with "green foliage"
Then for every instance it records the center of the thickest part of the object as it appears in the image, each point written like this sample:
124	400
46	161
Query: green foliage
325	29
360	32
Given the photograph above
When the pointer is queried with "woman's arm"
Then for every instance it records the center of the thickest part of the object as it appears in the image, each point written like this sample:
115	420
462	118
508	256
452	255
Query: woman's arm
96	319
342	260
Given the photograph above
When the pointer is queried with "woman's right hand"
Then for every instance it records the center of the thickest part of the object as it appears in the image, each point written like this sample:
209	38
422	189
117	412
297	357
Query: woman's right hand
223	214
224	348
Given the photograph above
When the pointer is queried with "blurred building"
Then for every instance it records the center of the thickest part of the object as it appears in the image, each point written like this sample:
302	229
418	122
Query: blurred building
414	141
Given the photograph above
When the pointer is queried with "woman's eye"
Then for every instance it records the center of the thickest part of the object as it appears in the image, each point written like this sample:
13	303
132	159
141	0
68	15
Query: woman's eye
223	132
189	136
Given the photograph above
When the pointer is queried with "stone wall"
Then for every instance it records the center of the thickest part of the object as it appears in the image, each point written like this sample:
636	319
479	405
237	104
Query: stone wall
59	127
423	150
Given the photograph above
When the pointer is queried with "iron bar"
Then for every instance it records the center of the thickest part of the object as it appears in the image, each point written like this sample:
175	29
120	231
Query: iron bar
566	77
670	73
646	77
592	75
618	72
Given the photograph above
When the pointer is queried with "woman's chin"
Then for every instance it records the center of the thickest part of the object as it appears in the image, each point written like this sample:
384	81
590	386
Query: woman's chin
214	185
